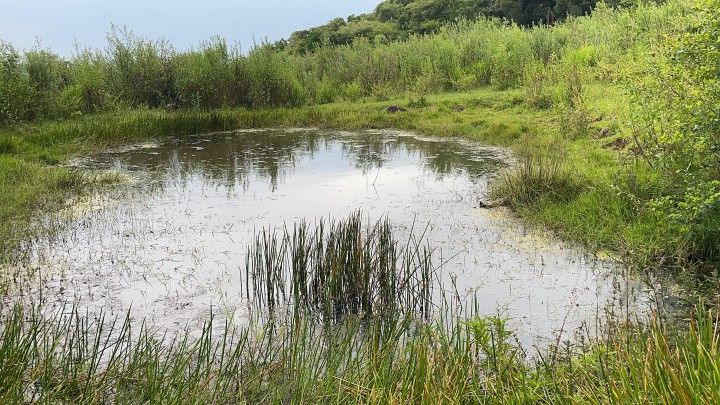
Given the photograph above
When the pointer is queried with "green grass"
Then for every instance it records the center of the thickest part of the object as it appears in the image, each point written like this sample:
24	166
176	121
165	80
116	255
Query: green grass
26	189
135	72
67	358
362	356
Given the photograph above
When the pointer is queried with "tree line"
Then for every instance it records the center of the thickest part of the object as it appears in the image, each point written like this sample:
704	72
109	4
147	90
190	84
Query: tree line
397	19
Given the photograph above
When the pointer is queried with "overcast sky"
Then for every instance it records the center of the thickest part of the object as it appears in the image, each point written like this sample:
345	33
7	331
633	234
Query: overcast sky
58	24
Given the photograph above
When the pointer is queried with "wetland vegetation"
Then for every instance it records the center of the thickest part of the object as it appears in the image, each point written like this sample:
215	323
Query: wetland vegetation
612	119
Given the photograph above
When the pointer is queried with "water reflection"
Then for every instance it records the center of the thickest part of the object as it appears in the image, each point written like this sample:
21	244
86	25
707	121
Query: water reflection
172	244
229	159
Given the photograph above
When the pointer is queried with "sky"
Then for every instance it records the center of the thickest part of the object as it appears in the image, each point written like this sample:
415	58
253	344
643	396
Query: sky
59	24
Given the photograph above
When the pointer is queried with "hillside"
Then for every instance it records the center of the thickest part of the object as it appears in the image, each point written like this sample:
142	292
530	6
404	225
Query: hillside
397	19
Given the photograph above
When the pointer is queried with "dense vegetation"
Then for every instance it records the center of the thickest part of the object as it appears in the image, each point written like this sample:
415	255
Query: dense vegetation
135	72
398	19
71	359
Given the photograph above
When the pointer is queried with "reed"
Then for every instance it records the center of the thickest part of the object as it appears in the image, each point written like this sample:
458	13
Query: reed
135	72
351	320
340	268
68	356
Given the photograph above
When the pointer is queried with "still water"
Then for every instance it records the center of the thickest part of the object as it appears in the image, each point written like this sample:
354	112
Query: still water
170	243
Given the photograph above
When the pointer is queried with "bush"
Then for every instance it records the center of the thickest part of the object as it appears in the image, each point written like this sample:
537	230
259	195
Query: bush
509	54
327	91
205	78
677	123
89	82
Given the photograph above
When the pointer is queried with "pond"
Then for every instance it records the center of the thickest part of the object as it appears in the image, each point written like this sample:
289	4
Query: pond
171	242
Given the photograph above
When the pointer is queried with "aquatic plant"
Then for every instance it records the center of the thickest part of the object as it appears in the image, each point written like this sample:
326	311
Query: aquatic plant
340	268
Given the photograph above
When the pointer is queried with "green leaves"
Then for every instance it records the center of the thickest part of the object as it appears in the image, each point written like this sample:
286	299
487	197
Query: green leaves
676	107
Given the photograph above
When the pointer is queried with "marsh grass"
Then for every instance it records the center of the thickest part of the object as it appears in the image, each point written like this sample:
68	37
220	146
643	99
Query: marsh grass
540	173
340	268
135	72
28	188
68	356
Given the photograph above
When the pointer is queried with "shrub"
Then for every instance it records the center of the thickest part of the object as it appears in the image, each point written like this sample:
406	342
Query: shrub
570	103
204	78
676	129
89	82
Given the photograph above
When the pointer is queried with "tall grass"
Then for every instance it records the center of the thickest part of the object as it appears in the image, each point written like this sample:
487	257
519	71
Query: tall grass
69	357
340	268
138	72
540	173
369	350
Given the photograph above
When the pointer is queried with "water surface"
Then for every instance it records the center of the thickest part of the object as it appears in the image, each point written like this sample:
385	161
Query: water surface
170	244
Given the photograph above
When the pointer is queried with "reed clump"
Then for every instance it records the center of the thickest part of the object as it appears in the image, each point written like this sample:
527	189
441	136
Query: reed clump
340	268
540	173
